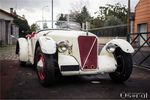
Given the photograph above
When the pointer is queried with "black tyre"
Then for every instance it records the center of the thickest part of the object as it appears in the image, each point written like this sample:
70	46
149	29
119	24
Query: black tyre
124	66
45	65
22	63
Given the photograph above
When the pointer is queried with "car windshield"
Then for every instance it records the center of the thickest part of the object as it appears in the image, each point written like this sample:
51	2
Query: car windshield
46	24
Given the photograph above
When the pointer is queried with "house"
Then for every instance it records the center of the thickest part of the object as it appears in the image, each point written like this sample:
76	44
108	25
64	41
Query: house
8	30
142	19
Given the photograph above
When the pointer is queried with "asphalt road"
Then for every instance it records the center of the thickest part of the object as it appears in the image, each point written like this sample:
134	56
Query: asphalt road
17	82
21	82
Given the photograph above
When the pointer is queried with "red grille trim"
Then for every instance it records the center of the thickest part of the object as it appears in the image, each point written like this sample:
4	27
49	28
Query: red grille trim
88	51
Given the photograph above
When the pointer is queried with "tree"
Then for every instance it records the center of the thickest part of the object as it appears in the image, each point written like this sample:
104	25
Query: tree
60	22
96	22
24	28
33	27
78	5
62	18
112	20
83	16
117	11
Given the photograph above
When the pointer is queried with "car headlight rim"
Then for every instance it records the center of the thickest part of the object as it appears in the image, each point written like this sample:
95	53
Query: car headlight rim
111	47
62	46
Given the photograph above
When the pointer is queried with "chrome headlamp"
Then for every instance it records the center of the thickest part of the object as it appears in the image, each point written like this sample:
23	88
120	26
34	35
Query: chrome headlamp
111	47
63	46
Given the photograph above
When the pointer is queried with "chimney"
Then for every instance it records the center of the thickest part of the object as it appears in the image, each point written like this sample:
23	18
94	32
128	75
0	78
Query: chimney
14	12
23	16
11	10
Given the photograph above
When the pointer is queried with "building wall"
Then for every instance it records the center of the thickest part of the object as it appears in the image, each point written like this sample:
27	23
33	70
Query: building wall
2	32
142	14
8	35
142	17
8	30
15	34
6	17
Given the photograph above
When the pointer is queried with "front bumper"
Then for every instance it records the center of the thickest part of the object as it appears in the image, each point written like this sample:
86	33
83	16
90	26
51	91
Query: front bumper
68	65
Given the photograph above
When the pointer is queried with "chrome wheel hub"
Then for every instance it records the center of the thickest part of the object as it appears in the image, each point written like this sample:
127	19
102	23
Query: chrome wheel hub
40	68
40	65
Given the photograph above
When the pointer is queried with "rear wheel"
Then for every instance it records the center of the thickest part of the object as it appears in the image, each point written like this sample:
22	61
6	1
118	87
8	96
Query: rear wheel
124	66
22	63
45	67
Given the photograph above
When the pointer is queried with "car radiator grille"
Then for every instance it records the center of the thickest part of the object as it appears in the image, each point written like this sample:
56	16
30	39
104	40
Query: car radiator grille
88	52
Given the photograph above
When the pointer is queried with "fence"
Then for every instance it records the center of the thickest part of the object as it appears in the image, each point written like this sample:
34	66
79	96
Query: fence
141	43
110	31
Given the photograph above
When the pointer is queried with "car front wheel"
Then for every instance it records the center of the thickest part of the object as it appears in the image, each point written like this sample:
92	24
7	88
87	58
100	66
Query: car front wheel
124	66
45	67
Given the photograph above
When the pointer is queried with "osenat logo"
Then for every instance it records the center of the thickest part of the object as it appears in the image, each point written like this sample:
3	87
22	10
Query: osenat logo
134	95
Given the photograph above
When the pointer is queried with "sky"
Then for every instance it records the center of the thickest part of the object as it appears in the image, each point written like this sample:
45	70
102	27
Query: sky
34	10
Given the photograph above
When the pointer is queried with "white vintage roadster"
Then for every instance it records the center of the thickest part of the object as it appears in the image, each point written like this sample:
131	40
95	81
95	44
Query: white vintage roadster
71	52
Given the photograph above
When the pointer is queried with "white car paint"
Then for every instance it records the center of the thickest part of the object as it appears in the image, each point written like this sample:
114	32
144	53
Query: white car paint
106	64
48	40
47	44
106	60
23	49
66	60
124	45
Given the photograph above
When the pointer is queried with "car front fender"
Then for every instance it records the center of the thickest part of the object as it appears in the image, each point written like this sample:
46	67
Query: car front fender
124	45
22	49
107	61
47	44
